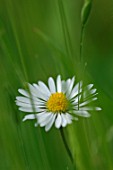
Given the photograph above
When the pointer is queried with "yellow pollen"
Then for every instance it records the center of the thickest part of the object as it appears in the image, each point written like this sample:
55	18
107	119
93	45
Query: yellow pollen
57	103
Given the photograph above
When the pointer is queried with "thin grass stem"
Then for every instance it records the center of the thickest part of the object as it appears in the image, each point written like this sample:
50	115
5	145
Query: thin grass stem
65	29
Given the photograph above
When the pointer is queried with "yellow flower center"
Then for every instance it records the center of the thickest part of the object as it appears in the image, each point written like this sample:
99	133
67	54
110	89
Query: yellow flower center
57	102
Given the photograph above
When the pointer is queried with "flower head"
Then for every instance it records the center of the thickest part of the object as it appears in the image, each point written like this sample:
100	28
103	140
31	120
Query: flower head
59	102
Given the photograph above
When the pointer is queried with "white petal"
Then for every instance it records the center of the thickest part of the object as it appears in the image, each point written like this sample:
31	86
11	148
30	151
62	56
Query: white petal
33	90
24	92
69	118
82	113
18	103
98	108
93	91
58	121
59	84
46	121
75	118
90	108
75	90
44	88
87	102
27	100
36	124
25	109
51	84
30	109
70	87
75	102
50	123
37	91
42	116
68	82
90	96
30	116
64	87
88	92
64	121
89	86
41	93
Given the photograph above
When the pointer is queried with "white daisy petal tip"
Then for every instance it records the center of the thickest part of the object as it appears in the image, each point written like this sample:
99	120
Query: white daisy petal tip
59	76
82	113
59	84
75	118
28	117
98	108
64	121
69	118
51	85
58	121
23	92
19	90
24	119
47	130
36	124
95	98
88	116
50	123
73	78
90	86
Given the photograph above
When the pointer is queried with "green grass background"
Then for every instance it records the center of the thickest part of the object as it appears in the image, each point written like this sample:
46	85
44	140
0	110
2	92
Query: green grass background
37	42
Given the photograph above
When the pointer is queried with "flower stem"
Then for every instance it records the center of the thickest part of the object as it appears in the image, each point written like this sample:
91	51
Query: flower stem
67	147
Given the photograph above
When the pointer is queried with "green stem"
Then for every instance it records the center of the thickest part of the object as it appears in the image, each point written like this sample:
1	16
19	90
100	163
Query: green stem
81	43
66	145
81	59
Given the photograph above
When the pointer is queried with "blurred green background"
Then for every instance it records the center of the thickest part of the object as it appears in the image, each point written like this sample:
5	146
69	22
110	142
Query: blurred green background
41	38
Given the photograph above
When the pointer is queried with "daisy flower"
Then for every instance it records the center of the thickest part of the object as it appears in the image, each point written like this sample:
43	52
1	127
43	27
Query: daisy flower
59	103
